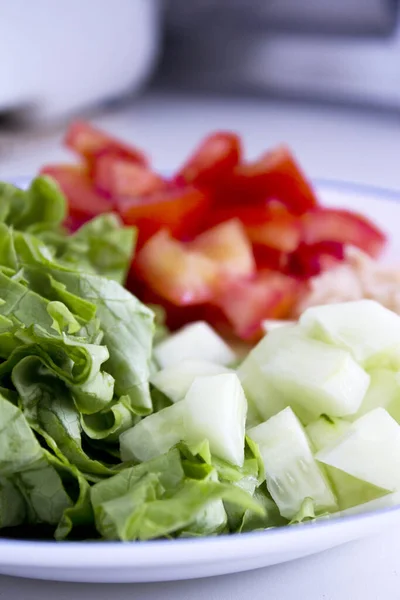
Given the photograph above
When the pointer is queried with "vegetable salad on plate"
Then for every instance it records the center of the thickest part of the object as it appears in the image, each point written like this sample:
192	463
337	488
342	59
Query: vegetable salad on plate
114	428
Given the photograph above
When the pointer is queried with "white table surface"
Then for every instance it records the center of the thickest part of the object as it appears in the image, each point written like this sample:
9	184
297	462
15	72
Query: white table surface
335	144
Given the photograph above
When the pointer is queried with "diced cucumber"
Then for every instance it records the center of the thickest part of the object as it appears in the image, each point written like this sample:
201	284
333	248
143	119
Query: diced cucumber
215	409
316	376
387	501
266	348
369	450
264	401
326	430
384	392
174	381
288	369
367	329
197	341
349	490
292	474
154	434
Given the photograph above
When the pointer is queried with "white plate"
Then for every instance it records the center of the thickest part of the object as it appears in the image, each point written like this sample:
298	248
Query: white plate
186	559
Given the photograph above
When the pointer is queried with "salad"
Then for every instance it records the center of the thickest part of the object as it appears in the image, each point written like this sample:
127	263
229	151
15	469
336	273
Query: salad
224	240
112	428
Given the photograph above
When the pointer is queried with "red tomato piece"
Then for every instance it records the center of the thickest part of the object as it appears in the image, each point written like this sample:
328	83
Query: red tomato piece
345	227
175	316
215	158
123	178
274	176
88	142
179	275
229	246
246	304
311	259
270	258
282	232
83	201
269	224
180	210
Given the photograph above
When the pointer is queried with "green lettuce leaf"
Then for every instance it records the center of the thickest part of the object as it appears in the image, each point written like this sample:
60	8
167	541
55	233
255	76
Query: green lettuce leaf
12	202
50	408
305	513
102	246
12	504
128	327
114	500
44	207
22	304
199	463
78	517
108	424
164	516
77	364
8	255
252	521
26	465
157	498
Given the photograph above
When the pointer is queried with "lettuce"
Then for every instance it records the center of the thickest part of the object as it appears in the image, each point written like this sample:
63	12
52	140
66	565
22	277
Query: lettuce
158	498
76	356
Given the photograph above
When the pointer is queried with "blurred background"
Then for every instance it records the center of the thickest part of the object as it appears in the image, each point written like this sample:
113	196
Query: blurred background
322	76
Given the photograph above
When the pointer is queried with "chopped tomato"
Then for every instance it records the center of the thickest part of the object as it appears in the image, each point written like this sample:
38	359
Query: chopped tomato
269	224
120	177
180	210
227	241
229	246
83	201
270	258
274	176
176	273
88	142
246	304
282	232
214	159
312	259
345	227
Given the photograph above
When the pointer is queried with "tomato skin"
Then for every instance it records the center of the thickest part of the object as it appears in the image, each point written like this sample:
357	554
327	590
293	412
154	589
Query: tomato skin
214	160
274	176
345	227
180	210
177	274
312	259
246	303
119	177
228	245
83	201
88	141
282	232
270	259
270	224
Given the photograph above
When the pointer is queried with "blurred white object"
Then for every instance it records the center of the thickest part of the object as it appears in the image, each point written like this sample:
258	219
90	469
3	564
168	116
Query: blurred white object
58	57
